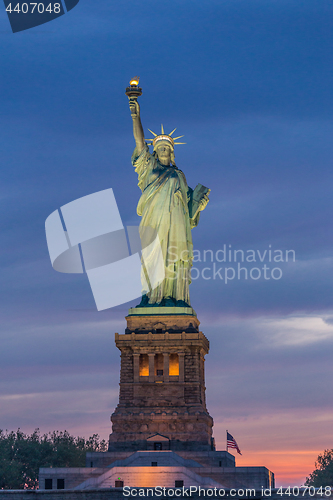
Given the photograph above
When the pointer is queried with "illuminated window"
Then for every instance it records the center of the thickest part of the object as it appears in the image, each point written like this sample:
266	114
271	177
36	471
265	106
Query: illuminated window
174	365
158	364
144	365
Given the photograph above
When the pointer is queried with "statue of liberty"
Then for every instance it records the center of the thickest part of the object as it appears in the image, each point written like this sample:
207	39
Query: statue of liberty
169	207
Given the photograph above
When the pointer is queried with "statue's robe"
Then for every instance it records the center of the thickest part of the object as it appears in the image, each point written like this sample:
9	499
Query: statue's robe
163	207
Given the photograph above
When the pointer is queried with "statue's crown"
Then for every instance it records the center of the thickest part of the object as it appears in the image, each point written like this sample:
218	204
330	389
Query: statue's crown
164	137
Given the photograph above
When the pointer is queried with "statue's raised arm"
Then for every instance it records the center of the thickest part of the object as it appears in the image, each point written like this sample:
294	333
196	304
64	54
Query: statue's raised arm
137	125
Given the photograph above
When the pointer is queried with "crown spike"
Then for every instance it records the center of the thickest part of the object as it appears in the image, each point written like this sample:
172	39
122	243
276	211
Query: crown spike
175	138
162	128
180	143
172	131
152	132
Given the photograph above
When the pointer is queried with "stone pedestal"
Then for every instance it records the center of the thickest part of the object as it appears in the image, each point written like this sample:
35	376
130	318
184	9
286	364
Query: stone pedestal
161	429
162	384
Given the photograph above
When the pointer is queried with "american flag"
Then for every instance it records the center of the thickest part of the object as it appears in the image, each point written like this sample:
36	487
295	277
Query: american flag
231	443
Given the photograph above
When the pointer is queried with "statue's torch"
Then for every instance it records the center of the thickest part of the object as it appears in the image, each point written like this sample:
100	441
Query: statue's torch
134	91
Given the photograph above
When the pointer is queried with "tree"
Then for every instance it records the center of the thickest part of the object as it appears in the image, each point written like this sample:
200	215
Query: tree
323	474
22	455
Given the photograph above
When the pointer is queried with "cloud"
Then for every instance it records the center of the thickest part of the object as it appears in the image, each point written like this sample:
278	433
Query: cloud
82	412
255	372
295	331
60	344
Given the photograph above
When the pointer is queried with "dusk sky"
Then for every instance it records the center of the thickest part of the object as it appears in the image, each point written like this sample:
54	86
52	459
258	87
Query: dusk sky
249	84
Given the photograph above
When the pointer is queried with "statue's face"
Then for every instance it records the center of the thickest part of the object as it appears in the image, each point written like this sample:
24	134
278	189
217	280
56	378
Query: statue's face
163	151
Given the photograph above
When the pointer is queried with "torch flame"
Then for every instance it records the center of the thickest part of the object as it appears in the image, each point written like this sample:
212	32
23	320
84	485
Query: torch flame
135	80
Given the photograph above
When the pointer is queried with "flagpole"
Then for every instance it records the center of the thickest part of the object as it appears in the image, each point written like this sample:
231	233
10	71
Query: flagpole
227	440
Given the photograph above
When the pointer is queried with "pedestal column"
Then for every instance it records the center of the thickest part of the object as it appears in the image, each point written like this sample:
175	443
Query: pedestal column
181	366
166	367
136	367
151	367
